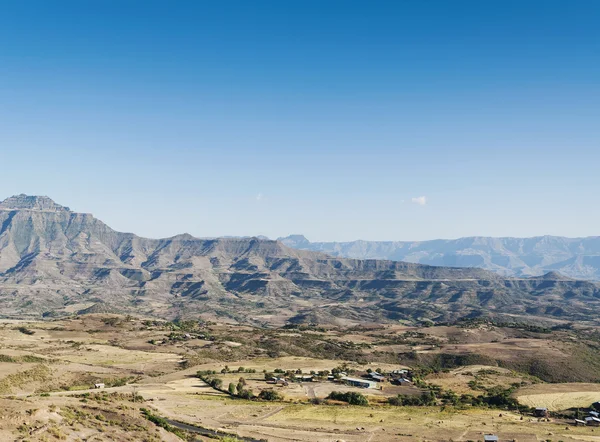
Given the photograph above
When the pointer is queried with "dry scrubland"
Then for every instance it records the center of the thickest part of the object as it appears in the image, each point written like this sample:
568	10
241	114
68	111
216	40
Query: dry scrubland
48	369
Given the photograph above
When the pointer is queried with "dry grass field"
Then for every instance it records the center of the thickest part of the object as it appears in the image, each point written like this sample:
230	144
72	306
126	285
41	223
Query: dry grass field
48	370
458	379
559	396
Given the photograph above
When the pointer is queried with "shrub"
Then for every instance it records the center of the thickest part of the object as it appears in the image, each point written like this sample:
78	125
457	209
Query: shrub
25	331
246	394
269	395
426	398
351	397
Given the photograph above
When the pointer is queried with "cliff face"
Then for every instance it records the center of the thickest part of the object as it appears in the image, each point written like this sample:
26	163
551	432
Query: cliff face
55	262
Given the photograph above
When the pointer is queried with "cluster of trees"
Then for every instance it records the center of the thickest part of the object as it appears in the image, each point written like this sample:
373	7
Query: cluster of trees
269	395
201	373
226	369
239	390
427	398
215	383
494	397
351	397
321	374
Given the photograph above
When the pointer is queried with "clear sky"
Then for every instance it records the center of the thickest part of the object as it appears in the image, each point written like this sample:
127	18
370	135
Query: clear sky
398	120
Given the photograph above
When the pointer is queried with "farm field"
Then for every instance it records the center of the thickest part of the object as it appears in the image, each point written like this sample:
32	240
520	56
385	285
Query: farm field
559	396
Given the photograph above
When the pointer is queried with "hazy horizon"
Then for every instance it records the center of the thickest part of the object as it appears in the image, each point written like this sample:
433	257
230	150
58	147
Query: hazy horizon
326	241
338	120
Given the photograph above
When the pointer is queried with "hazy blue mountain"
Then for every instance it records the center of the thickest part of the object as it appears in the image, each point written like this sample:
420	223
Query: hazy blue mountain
574	257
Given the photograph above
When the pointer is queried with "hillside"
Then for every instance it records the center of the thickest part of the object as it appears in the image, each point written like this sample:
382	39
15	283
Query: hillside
522	257
56	262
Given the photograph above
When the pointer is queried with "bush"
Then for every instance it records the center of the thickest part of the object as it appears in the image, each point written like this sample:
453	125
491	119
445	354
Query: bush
426	398
351	397
269	395
26	331
232	390
246	394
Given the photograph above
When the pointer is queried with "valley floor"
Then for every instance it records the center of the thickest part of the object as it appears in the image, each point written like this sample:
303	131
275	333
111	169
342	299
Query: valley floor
48	371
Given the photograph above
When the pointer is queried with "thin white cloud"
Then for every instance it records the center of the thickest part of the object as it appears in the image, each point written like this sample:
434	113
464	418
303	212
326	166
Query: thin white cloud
259	197
420	200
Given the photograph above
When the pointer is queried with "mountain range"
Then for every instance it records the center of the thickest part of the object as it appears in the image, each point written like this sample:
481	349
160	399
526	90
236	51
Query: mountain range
56	262
522	257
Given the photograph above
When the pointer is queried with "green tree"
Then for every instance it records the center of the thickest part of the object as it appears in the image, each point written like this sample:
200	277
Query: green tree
269	395
232	390
351	397
246	394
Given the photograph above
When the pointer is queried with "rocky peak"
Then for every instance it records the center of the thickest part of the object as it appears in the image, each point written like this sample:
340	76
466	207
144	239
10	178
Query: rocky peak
554	276
295	241
31	202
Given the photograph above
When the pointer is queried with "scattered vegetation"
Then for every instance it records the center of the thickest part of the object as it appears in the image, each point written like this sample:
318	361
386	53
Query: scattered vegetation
352	397
39	373
162	422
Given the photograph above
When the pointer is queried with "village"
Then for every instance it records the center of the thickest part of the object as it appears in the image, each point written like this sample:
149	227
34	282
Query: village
369	379
379	386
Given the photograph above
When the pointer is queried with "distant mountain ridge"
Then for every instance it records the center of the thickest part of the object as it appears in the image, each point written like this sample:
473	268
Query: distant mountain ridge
577	258
56	262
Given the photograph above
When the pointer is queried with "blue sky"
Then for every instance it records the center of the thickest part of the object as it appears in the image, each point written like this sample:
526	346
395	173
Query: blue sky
328	118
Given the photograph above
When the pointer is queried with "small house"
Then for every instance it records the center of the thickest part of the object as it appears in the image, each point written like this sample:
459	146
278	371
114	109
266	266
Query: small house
304	377
402	381
362	383
540	412
579	422
592	421
277	381
377	377
490	438
594	413
100	385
